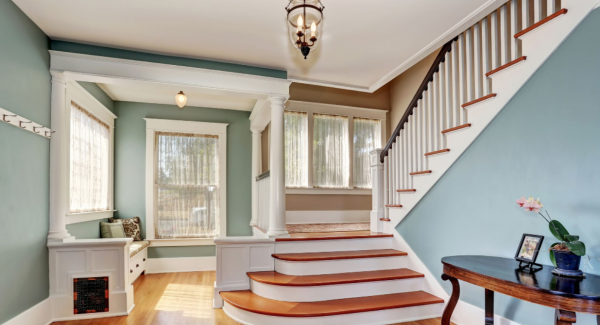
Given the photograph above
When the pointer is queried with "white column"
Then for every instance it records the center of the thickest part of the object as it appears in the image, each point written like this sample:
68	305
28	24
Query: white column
276	166
378	191
59	159
256	170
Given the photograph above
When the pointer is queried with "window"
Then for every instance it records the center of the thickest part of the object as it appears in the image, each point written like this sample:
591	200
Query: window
89	162
187	185
186	194
331	166
367	137
296	149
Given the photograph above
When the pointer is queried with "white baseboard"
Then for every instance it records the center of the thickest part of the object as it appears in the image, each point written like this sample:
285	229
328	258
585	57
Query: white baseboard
181	264
40	314
349	216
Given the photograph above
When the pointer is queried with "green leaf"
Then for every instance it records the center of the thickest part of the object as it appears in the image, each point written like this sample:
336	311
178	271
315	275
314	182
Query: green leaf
571	238
558	230
552	257
577	247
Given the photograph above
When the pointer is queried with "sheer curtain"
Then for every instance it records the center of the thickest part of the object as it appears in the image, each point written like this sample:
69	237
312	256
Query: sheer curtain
187	185
296	149
367	136
331	166
89	165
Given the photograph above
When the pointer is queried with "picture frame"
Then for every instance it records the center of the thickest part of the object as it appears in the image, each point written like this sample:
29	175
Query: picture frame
528	250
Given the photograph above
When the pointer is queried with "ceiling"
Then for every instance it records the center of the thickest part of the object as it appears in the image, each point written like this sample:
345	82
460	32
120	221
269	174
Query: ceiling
365	43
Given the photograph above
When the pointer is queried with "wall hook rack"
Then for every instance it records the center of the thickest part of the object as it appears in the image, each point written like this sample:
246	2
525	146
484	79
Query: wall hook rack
25	124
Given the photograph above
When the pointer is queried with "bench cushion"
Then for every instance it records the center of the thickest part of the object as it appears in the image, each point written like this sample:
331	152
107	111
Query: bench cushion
137	246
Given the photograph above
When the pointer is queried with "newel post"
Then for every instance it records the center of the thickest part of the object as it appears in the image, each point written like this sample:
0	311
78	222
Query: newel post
377	180
277	220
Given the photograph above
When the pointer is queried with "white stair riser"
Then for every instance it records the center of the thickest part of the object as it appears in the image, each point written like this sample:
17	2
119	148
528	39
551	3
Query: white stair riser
339	266
332	292
337	245
389	316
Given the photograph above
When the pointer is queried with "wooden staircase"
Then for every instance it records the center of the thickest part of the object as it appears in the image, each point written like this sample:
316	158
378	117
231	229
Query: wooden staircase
355	278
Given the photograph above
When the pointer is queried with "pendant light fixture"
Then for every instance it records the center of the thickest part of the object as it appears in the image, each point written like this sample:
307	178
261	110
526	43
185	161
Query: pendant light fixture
181	99
304	17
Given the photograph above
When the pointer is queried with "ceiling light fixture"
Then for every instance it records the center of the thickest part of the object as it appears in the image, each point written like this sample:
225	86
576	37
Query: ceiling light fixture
305	16
181	99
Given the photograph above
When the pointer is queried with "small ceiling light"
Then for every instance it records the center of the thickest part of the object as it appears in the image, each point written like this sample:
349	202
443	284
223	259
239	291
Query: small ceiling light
304	16
181	99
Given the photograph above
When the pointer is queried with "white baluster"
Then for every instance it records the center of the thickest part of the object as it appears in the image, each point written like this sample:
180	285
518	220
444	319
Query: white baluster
434	112
485	57
477	60
441	121
408	160
413	136
537	10
456	98
461	80
494	40
392	173
425	104
469	65
514	20
524	14
448	92
550	7
386	183
418	136
504	54
397	169
401	175
403	166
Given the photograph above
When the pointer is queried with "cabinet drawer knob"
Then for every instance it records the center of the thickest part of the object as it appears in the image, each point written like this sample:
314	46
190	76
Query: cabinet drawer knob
137	265
130	271
144	260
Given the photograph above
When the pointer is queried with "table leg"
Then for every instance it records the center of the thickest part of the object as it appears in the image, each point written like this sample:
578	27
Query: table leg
489	307
564	317
453	299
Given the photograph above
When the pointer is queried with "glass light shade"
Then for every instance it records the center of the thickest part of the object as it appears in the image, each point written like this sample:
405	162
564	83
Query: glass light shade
311	12
181	99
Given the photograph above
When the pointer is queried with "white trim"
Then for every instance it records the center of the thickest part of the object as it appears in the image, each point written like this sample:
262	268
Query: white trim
89	216
320	108
330	84
182	242
181	264
219	129
328	191
312	217
40	313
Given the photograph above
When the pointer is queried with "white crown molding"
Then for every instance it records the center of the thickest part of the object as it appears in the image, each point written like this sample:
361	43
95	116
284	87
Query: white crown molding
330	84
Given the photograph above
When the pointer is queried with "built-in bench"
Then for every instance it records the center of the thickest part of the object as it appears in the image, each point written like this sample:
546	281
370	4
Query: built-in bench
138	253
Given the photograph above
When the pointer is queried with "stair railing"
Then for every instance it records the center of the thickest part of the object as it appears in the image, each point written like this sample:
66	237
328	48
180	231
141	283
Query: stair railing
457	79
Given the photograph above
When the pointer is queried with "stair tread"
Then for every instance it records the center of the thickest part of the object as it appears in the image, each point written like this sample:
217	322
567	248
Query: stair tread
509	64
275	278
541	23
325	256
251	302
334	235
468	125
479	100
406	190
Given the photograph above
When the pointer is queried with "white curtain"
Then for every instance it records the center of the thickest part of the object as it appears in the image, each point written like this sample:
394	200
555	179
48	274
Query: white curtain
89	165
296	149
367	136
187	185
331	166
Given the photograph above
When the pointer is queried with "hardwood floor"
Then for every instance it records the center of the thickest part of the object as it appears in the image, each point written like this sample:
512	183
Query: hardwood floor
177	298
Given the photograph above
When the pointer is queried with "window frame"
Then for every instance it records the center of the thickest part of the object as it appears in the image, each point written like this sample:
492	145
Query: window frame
218	129
329	109
77	94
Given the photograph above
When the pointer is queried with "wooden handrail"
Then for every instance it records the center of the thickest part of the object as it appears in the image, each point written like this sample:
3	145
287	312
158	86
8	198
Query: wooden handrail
441	57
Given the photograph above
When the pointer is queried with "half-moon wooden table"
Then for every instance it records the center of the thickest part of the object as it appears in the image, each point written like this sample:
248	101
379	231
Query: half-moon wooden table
503	275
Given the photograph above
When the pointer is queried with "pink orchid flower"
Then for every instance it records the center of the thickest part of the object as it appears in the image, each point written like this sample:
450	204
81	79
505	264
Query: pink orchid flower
533	205
521	201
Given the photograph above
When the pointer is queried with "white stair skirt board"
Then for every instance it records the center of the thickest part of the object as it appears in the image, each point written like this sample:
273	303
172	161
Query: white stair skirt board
339	266
336	245
39	314
337	291
388	316
181	264
350	216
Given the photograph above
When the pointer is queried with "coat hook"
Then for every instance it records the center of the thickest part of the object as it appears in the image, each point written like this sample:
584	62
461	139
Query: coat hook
38	127
50	134
21	122
4	117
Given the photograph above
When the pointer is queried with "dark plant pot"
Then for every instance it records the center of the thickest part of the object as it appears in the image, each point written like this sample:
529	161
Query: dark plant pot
567	264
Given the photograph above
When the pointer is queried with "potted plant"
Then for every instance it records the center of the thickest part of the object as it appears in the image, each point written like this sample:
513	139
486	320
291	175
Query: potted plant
565	254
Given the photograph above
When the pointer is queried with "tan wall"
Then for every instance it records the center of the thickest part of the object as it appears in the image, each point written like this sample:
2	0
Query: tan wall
301	202
380	99
404	87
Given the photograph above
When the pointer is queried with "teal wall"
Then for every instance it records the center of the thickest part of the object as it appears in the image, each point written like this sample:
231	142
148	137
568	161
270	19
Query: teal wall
86	230
544	143
157	58
130	165
24	163
99	94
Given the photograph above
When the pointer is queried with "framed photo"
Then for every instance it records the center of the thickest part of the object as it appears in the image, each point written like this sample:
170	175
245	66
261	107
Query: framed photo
529	248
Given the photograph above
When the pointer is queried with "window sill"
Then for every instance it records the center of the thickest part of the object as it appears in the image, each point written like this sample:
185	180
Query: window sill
181	242
328	191
88	216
